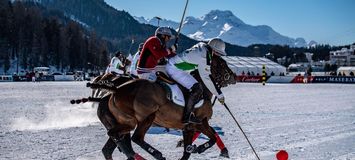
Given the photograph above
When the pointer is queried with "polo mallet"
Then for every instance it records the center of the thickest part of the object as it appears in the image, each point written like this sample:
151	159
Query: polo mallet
180	26
241	130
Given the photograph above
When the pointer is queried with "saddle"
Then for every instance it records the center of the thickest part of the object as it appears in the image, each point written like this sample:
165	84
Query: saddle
175	92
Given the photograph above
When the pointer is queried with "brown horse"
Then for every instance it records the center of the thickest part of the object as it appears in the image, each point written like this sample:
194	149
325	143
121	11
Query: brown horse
107	119
139	103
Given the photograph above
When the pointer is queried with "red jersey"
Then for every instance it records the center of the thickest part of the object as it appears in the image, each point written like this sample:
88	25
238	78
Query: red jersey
152	52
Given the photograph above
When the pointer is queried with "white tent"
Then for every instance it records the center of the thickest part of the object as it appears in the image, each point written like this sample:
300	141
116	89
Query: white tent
253	65
346	70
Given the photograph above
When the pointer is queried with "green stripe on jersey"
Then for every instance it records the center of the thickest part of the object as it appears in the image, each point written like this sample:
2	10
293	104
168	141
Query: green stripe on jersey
186	66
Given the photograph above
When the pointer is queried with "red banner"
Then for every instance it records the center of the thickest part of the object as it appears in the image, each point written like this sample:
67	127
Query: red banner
255	79
301	79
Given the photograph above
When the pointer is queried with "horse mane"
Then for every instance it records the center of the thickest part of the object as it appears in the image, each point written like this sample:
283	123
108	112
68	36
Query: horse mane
206	92
107	86
221	73
109	81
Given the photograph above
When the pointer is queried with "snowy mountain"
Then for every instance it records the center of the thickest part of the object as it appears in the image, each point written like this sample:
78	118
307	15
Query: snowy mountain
312	44
225	25
154	22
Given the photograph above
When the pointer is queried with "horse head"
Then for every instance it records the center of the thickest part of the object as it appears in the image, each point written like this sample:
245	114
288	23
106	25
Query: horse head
221	73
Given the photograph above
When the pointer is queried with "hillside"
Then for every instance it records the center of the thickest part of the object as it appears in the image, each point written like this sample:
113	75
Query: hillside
117	26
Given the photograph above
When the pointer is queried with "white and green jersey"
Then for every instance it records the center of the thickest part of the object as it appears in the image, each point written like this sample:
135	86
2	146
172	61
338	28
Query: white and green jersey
191	58
134	63
115	66
195	58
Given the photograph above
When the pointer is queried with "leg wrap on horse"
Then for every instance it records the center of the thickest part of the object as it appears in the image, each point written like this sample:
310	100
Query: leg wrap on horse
123	142
205	146
154	152
201	148
138	137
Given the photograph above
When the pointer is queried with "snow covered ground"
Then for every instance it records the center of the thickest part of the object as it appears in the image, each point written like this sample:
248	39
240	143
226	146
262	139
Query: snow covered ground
310	121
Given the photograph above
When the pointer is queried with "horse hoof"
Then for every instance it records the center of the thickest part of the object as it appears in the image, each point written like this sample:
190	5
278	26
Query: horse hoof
224	153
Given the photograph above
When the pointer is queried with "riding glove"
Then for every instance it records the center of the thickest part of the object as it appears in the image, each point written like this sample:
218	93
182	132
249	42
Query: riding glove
220	98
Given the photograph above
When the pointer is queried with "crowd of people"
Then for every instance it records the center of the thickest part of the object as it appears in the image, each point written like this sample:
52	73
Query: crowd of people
258	74
351	73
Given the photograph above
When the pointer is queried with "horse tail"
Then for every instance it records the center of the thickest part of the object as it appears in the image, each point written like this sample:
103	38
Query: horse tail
84	100
106	86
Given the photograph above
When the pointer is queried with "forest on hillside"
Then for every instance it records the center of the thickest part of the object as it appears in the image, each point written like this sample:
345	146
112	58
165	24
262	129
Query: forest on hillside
32	36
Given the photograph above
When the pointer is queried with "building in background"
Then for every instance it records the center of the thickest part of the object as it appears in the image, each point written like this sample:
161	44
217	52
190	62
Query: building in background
343	57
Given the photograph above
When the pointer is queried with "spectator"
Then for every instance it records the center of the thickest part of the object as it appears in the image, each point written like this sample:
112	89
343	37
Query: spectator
37	77
305	77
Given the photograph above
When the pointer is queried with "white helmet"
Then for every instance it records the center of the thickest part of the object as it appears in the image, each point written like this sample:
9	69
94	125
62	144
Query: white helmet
218	45
163	31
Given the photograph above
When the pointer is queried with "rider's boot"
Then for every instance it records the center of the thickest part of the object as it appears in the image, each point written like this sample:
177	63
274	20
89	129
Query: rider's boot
195	96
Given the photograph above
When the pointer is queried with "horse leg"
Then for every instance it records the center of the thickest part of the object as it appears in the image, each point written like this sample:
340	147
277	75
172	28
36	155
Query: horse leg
181	141
187	134
138	137
109	123
221	146
209	132
124	143
108	149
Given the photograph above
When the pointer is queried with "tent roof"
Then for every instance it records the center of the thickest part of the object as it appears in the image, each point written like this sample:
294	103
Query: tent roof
255	64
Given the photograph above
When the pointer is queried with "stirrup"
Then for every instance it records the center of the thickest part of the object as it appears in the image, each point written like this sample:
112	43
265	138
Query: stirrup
192	120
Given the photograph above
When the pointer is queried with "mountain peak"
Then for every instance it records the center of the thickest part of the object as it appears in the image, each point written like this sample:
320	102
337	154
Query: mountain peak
227	26
221	13
226	16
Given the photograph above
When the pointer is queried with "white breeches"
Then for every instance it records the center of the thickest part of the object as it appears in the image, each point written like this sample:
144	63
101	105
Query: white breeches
113	69
151	76
180	76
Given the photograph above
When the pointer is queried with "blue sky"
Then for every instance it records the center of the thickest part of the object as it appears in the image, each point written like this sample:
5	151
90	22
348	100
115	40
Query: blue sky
325	21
